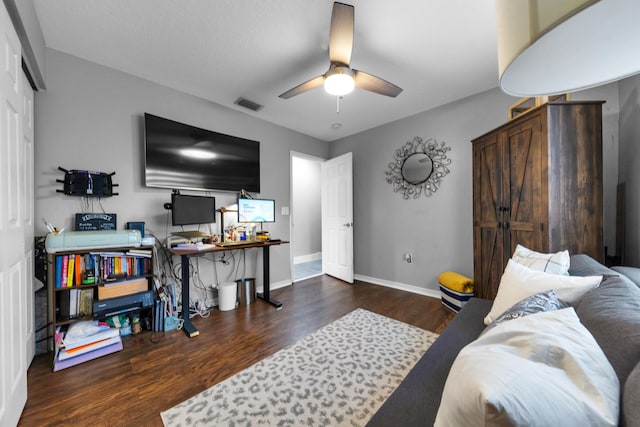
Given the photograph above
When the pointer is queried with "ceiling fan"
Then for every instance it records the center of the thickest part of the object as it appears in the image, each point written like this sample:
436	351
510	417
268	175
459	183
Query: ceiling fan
340	78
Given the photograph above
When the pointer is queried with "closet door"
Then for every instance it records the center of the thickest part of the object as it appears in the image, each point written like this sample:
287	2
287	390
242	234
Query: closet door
488	214
14	268
525	186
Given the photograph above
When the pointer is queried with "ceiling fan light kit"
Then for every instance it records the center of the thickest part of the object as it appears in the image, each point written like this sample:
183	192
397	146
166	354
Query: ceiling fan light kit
340	79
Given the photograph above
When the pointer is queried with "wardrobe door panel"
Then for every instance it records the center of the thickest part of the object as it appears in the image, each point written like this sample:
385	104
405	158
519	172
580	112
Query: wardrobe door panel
524	186
488	215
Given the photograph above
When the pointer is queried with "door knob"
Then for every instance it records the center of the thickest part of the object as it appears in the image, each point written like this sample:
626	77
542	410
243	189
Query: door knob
349	224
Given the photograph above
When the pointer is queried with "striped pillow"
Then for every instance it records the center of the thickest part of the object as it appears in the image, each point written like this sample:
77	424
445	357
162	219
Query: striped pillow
554	263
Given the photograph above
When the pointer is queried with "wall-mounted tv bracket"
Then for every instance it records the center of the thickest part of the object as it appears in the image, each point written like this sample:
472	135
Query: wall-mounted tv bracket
87	183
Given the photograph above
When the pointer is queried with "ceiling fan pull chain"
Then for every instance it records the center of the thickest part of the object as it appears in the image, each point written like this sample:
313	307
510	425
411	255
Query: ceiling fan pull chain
337	105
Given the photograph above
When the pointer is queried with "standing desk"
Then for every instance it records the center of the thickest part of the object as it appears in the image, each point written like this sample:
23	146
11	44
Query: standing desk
184	255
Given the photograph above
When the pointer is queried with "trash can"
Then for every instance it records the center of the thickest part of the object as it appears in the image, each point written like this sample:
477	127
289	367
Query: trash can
246	291
227	296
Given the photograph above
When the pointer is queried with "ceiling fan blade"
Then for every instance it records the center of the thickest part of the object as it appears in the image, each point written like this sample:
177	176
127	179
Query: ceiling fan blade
304	87
341	34
375	84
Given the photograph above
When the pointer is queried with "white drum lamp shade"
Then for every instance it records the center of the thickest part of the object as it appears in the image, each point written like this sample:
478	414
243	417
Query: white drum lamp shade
549	47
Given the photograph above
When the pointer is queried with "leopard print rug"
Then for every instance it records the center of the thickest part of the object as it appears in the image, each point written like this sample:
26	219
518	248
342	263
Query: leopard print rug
337	376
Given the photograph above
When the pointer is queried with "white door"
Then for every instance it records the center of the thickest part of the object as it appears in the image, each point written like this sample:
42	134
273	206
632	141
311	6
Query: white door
14	267
337	217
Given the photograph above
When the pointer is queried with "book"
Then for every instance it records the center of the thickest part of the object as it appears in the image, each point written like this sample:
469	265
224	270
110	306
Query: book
140	253
79	267
65	354
70	264
64	298
88	276
59	271
63	364
73	302
65	266
86	302
71	343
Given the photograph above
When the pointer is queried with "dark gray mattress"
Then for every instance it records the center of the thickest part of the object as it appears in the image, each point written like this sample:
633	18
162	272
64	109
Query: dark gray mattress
416	400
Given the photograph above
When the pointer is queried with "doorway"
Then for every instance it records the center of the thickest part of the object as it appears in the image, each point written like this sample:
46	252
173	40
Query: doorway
306	216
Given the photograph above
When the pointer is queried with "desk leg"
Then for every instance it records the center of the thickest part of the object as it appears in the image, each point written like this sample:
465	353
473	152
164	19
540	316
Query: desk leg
267	280
187	326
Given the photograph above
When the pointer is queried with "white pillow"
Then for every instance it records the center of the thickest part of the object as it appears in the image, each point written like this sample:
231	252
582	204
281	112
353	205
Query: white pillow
519	282
540	370
555	263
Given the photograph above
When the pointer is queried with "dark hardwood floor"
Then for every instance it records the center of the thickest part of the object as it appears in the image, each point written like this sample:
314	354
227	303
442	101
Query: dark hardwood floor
154	372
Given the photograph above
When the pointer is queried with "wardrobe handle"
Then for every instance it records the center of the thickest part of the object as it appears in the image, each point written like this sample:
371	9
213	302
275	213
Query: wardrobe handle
506	225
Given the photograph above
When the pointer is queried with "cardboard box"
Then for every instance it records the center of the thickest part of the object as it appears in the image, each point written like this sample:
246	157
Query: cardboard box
126	287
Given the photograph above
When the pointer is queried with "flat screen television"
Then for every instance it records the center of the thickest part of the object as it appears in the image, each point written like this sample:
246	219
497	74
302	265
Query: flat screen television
187	209
180	156
256	210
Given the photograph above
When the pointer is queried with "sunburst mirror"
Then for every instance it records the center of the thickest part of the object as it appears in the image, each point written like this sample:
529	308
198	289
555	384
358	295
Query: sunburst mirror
418	167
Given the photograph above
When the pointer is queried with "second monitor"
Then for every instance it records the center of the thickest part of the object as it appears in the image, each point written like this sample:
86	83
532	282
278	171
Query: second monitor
256	210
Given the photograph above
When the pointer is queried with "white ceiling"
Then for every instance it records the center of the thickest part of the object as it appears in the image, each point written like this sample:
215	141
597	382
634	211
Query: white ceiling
438	51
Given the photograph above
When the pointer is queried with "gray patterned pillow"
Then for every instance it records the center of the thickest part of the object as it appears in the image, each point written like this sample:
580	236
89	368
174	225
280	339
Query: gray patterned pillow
544	301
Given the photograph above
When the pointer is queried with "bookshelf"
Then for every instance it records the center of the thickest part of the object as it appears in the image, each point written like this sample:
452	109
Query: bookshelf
78	278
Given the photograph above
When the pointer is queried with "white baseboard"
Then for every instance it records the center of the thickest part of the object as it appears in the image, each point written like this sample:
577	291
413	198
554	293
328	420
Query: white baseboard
280	284
433	293
310	277
401	286
307	258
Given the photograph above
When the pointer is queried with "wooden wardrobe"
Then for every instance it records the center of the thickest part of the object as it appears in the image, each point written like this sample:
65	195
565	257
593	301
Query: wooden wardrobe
537	181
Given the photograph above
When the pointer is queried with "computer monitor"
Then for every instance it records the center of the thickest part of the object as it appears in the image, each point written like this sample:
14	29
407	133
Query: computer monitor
187	209
256	210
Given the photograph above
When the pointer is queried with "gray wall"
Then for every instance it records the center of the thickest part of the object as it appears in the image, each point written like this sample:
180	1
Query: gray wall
90	118
630	164
437	230
306	238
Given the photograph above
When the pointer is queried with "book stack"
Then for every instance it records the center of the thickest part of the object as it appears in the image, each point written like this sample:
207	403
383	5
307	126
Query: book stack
87	269
76	303
84	341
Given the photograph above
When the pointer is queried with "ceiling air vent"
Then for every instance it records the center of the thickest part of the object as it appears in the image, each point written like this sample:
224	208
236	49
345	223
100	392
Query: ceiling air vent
253	106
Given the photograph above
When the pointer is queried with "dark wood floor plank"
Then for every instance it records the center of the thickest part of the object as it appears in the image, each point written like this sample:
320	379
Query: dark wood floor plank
154	372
